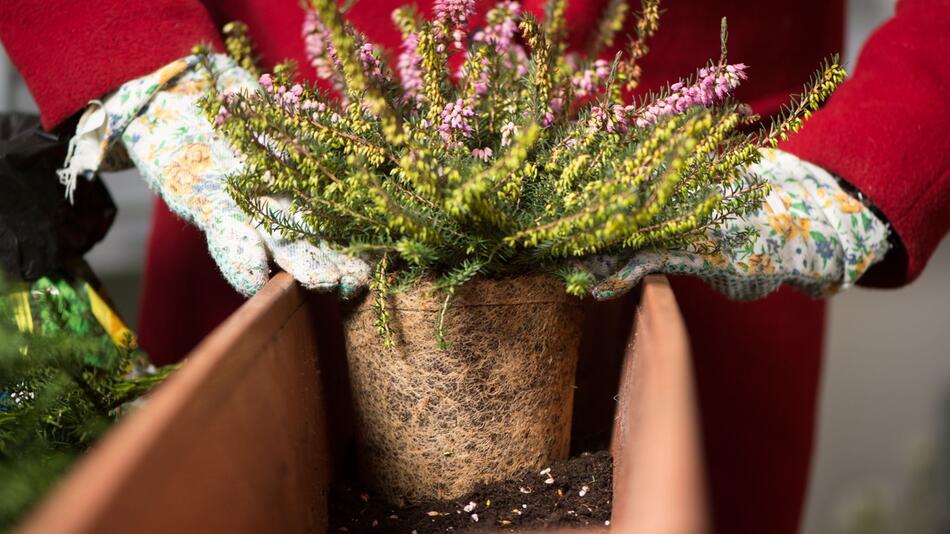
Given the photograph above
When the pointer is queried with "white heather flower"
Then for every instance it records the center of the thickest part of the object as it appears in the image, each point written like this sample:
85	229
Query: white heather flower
507	131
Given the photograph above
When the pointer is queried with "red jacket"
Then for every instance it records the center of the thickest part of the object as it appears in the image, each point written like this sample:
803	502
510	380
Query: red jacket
758	364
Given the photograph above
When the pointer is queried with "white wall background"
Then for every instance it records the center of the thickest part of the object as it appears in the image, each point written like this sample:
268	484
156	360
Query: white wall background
887	368
885	392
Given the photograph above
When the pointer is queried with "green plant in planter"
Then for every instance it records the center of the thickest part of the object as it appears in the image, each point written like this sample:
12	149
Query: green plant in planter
527	158
63	382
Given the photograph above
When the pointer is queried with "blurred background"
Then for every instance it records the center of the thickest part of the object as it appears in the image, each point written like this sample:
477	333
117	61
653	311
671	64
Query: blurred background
882	462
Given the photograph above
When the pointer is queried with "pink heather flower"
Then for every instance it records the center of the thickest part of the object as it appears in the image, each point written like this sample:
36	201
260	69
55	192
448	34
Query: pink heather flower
289	99
555	106
410	67
483	154
455	120
372	66
266	82
714	84
292	97
319	47
502	26
587	83
614	120
518	61
228	100
223	115
323	56
480	84
313	105
452	17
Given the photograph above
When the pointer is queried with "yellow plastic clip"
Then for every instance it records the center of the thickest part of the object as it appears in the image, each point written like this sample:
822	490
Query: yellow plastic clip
110	321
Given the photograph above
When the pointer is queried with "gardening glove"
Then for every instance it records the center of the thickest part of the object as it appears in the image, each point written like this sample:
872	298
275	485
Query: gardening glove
809	233
156	121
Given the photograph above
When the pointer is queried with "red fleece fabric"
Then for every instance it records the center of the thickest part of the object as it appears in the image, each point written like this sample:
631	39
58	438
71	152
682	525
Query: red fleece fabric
72	52
885	130
758	364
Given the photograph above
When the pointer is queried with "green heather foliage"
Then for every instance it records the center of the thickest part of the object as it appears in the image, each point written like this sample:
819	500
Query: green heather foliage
527	159
61	387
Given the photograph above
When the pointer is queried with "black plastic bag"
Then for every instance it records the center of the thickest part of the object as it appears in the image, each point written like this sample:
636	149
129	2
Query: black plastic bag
39	229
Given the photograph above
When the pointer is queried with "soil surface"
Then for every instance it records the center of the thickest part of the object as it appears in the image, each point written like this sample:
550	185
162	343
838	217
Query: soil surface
573	493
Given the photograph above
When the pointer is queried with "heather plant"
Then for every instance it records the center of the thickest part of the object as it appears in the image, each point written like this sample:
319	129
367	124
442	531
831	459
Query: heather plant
495	151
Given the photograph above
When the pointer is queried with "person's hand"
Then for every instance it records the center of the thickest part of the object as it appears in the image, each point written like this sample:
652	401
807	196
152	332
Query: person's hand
809	233
159	124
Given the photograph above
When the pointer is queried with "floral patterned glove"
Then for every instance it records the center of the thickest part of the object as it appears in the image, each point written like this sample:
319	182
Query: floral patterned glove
810	234
157	121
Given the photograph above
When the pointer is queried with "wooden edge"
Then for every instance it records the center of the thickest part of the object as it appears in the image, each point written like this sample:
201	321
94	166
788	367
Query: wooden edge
87	491
659	479
659	482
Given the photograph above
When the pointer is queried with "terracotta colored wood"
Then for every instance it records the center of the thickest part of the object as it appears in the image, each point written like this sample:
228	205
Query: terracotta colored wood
233	442
239	440
659	484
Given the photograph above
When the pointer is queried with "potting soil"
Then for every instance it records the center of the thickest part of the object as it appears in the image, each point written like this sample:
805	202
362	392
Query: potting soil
572	493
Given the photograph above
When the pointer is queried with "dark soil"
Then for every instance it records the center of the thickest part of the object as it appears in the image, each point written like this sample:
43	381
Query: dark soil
575	492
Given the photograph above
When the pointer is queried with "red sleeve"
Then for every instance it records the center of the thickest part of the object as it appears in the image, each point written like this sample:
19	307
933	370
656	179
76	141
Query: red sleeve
70	52
885	131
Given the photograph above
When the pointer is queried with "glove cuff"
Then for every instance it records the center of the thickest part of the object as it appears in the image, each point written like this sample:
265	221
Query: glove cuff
863	233
94	146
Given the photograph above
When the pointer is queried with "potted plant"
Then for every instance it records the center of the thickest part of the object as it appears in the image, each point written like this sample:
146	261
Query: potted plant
488	198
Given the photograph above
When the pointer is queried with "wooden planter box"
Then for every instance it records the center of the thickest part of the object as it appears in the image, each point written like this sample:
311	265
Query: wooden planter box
245	437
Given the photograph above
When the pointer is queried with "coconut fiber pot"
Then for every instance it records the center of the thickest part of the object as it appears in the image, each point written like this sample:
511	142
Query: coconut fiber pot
433	422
